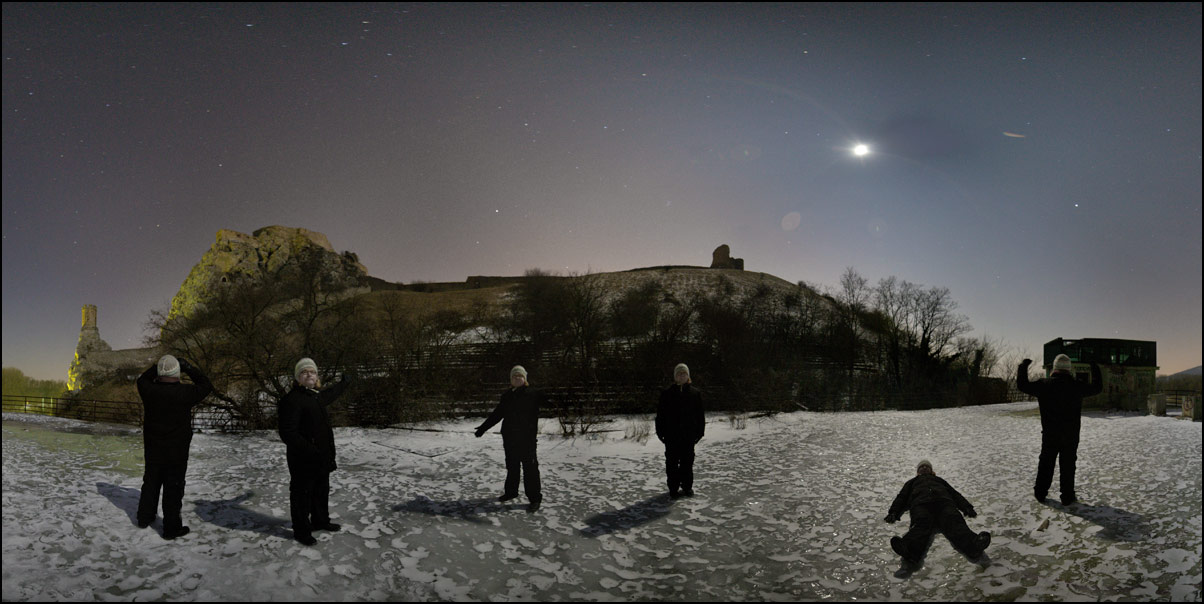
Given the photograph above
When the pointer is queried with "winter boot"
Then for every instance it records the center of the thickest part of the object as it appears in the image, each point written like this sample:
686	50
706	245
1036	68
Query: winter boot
170	534
1040	495
533	507
507	496
329	526
980	544
304	539
896	543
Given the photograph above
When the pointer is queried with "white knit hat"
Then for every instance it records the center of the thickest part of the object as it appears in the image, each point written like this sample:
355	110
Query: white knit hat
681	367
923	462
1062	363
168	367
306	363
518	370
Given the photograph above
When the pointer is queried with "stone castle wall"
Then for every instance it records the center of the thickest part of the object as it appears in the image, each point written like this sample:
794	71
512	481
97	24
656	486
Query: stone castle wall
95	359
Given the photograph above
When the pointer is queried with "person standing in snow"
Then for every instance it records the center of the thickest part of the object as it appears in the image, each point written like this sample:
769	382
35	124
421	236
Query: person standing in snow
1060	398
166	435
305	429
680	424
934	506
519	413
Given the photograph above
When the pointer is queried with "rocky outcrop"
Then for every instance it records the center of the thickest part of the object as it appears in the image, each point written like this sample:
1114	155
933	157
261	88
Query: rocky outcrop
236	256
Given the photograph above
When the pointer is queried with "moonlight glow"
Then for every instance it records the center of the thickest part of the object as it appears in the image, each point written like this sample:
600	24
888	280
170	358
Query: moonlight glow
861	150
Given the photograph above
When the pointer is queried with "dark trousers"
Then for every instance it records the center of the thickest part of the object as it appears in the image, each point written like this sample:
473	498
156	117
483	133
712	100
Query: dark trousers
168	477
679	465
308	499
927	520
1065	451
522	462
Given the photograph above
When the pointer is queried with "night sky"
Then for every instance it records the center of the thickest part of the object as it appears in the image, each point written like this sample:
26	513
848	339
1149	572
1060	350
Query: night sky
1042	162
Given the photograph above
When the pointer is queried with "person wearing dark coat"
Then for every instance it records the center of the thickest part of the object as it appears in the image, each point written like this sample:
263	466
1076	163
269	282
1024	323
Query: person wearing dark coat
166	435
934	506
1060	398
305	429
680	424
519	413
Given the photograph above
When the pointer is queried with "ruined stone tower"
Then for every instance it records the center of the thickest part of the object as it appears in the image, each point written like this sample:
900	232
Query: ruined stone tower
95	359
722	258
89	342
89	318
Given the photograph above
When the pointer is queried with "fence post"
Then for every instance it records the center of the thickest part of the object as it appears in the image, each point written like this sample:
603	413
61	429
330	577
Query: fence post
1156	404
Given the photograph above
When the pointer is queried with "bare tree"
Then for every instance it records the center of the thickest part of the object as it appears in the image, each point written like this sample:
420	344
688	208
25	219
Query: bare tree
250	332
586	318
893	300
633	315
851	297
538	312
933	325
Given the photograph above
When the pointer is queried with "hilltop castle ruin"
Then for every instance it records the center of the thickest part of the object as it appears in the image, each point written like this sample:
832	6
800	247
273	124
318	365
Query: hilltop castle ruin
94	358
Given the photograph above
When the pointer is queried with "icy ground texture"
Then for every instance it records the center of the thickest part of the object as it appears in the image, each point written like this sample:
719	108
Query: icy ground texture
788	508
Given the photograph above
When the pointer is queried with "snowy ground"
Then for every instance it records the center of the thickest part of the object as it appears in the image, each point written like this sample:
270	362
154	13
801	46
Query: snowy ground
788	508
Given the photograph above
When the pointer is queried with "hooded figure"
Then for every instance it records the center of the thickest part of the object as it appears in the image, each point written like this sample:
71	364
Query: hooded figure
680	424
166	435
1060	398
305	429
934	506
519	413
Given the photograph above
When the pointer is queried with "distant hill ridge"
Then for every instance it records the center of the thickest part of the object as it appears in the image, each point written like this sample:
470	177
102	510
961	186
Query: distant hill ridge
235	256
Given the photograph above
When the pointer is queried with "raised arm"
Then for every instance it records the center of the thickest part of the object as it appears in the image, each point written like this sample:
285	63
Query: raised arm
1022	379
201	384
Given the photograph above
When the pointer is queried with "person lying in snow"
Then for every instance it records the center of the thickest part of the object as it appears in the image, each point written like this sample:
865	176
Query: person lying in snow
934	506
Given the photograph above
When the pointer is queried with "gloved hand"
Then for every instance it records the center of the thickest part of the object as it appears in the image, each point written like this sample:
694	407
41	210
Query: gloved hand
891	519
1026	362
184	364
480	432
971	514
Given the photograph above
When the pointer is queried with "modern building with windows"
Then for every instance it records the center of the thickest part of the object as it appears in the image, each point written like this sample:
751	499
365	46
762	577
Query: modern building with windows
1128	367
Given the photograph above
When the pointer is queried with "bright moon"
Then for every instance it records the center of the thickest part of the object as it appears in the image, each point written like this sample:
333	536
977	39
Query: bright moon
861	150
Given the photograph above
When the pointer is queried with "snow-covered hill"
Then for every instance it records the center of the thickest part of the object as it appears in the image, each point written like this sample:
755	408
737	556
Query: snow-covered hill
788	508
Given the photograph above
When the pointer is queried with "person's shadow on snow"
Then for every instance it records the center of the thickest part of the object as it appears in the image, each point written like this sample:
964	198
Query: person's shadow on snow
1118	525
230	514
627	518
469	509
125	498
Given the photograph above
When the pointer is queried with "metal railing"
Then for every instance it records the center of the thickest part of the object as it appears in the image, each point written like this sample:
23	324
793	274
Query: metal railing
116	412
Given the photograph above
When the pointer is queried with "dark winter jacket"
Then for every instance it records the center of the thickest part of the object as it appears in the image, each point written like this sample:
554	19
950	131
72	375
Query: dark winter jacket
679	416
1060	397
926	489
519	413
167	413
305	427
